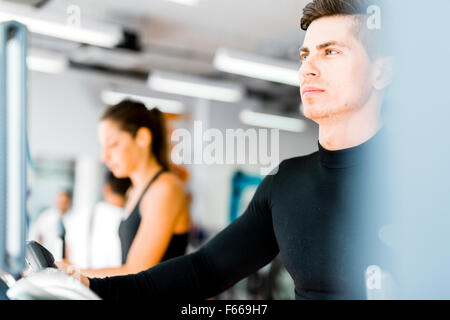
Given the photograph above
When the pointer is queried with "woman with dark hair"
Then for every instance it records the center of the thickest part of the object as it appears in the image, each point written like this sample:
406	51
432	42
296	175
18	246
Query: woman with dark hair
133	141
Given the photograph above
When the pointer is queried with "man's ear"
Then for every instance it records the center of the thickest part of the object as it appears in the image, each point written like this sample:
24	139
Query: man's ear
383	72
143	137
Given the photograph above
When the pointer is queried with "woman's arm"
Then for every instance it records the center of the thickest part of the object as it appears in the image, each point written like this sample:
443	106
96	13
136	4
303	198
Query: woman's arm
242	248
159	209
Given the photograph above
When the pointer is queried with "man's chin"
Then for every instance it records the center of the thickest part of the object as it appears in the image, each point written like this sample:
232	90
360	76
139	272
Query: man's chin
315	113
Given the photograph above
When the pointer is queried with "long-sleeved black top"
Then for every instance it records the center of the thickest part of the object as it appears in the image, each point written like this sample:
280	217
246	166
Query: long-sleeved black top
322	212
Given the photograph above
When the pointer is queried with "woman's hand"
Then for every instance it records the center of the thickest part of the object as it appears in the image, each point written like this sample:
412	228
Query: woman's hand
73	271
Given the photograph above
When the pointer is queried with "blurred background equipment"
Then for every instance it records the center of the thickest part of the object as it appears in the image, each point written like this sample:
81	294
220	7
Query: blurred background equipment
13	154
38	257
271	282
34	3
419	175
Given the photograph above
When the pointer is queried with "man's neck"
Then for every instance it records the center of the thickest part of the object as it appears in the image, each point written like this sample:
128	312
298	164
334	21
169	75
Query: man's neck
115	200
63	213
351	129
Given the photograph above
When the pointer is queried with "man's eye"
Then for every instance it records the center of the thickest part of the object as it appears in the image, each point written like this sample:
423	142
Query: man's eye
303	57
330	51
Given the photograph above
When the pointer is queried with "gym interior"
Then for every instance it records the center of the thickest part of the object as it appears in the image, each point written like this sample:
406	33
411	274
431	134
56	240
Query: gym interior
225	77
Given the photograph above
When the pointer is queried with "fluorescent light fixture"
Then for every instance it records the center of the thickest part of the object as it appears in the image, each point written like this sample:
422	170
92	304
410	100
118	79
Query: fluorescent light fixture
112	97
46	61
272	121
186	2
258	67
118	58
195	86
99	34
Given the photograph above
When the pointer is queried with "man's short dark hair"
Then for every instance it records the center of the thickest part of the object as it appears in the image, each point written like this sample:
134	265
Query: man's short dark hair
118	185
327	8
358	8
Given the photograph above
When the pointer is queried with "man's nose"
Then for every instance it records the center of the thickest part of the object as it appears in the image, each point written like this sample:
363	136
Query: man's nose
308	69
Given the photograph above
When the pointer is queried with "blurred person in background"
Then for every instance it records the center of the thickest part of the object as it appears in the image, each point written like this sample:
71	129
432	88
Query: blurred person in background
104	243
50	227
157	221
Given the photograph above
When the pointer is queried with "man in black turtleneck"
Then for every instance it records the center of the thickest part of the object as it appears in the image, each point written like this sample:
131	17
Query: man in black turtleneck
317	211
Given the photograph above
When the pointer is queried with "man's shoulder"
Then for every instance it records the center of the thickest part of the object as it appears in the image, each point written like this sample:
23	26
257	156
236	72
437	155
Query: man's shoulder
46	218
104	209
299	162
291	167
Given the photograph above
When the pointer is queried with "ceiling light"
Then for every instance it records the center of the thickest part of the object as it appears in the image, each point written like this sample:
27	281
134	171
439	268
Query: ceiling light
112	97
258	67
46	61
104	35
117	58
272	121
186	2
195	86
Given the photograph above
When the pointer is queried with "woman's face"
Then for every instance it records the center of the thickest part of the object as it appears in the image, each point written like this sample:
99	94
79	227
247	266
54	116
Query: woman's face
120	152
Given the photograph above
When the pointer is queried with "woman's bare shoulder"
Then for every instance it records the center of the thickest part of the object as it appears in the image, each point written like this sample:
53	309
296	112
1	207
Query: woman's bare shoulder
166	184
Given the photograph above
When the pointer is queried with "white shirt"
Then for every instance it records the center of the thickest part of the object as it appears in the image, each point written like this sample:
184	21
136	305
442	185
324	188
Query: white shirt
46	227
104	243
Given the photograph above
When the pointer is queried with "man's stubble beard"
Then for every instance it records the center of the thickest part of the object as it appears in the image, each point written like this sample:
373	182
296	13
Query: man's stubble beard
326	113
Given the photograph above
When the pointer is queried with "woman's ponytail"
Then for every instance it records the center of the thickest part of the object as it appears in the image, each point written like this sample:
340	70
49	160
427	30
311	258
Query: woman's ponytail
159	143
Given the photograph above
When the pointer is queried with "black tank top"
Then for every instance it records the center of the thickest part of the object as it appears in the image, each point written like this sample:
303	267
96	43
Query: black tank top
129	227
